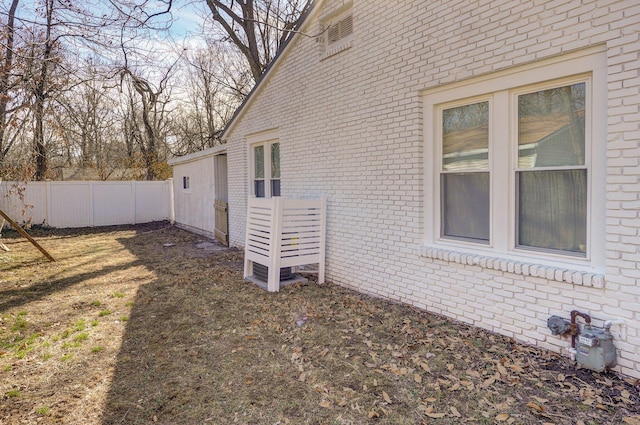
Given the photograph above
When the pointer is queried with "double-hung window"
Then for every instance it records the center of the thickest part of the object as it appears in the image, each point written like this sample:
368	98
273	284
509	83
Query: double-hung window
551	173
464	177
515	165
265	158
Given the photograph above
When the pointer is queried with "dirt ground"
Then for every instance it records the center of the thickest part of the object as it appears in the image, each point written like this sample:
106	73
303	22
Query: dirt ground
148	325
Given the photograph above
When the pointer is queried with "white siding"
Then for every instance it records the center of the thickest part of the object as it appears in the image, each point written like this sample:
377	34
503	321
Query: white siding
351	130
194	207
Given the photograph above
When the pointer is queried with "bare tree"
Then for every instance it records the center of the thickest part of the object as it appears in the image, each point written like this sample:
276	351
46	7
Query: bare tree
41	93
39	64
215	80
11	103
36	71
257	27
52	115
153	111
89	125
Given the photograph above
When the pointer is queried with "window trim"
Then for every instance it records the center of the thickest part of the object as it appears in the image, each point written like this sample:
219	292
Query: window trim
266	139
439	156
587	78
186	184
501	87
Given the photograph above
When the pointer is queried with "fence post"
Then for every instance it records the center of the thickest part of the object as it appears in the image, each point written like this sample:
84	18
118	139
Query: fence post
248	265
323	238
92	213
172	205
47	204
273	282
134	196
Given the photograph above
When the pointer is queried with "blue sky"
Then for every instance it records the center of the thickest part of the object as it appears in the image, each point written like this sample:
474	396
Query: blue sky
188	19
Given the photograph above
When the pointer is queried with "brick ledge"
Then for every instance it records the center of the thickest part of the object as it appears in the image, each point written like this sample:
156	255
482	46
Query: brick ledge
337	49
558	274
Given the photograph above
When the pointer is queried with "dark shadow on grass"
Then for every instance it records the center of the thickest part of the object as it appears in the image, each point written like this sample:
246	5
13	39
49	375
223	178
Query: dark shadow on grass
17	296
36	231
164	368
29	263
22	295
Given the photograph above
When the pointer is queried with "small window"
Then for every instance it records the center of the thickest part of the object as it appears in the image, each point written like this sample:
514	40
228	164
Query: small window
275	169
266	170
185	182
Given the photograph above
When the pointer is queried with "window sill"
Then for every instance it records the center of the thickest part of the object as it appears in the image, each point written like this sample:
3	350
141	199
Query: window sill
337	48
558	274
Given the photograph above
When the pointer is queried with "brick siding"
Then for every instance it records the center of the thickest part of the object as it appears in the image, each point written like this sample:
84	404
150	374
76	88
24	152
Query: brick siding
351	129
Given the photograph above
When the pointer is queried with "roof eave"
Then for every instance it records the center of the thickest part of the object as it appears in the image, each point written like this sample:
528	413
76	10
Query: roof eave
216	150
295	33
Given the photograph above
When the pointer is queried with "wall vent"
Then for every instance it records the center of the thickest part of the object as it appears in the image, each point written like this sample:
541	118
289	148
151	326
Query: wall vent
340	30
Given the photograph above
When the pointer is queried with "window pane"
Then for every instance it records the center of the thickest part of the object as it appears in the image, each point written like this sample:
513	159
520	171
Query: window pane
258	157
465	206
275	161
551	127
465	131
275	187
259	188
552	210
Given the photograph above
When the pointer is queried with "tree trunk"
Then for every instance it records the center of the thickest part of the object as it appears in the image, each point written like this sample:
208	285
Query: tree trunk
150	151
5	72
39	148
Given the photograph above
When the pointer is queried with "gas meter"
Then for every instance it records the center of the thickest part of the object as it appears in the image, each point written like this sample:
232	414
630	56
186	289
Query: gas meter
595	349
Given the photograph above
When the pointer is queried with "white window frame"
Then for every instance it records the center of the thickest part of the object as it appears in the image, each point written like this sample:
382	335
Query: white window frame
266	139
502	89
588	160
438	155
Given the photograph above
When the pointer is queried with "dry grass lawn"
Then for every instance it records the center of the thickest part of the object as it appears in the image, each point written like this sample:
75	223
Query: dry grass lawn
124	330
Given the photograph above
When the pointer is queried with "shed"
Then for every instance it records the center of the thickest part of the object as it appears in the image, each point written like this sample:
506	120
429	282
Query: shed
200	193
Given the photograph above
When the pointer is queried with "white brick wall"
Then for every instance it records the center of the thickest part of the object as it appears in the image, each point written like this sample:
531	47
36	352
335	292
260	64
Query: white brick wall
351	129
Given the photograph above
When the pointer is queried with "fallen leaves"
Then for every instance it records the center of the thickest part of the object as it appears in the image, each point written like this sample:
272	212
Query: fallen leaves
535	406
455	412
430	411
502	417
354	360
436	415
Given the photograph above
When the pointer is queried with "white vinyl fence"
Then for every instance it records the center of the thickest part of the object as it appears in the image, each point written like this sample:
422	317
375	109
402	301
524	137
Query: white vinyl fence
87	203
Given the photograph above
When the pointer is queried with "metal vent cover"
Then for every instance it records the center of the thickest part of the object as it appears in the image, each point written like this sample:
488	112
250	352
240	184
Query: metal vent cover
261	273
